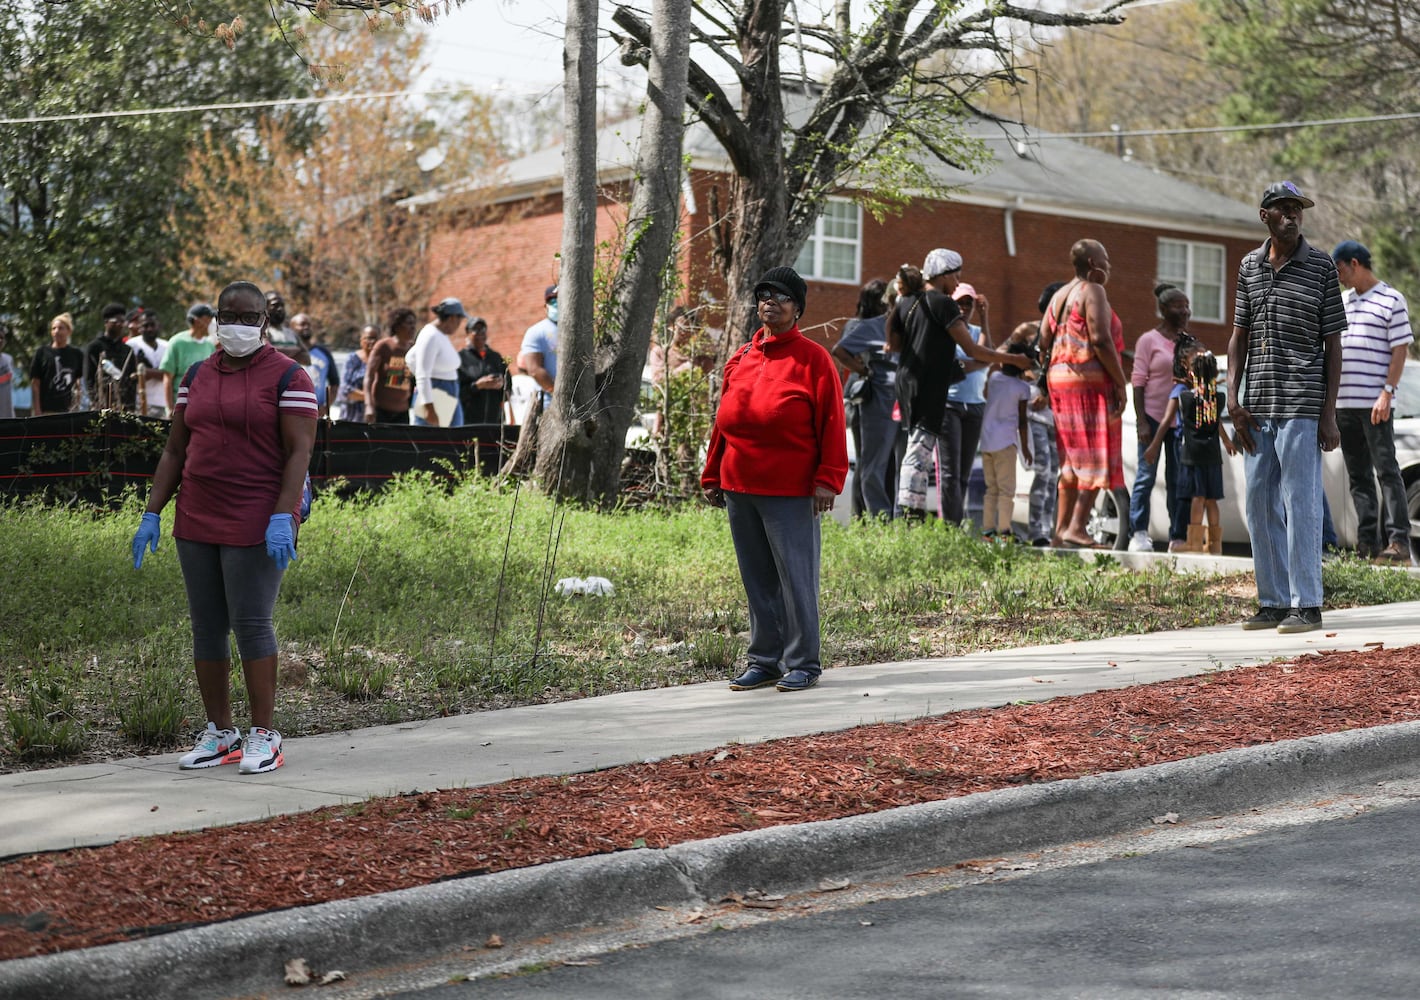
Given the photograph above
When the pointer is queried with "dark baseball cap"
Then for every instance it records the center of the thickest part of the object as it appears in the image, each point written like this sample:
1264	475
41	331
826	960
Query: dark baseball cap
1350	250
1285	191
475	321
549	293
200	309
449	307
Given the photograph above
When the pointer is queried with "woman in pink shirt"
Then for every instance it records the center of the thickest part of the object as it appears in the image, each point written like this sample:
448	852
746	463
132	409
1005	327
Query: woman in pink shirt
1153	381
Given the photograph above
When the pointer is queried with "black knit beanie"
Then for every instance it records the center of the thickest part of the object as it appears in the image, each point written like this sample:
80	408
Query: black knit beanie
787	280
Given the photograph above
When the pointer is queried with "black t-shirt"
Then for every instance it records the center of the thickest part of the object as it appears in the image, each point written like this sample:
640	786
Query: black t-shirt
928	363
481	406
1198	442
54	373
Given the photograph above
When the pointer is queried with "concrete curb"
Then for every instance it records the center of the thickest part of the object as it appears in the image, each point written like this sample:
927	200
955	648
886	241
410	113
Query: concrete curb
244	957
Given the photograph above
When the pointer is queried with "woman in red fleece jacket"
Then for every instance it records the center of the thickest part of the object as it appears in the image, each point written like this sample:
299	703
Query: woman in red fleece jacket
778	456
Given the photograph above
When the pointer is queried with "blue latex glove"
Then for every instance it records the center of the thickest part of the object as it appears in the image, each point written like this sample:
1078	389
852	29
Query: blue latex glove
146	537
281	540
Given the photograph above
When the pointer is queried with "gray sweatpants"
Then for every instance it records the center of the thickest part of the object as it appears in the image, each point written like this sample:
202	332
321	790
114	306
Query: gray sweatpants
777	546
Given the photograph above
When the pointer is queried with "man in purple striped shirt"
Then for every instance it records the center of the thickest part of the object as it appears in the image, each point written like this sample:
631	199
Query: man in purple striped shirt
1372	359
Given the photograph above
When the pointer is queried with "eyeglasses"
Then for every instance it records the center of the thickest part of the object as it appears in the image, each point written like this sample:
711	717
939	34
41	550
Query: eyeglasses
765	294
226	317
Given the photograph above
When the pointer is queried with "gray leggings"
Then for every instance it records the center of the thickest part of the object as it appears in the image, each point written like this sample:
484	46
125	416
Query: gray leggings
230	588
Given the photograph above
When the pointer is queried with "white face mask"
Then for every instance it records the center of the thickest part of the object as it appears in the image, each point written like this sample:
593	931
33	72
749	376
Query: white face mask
552	311
239	341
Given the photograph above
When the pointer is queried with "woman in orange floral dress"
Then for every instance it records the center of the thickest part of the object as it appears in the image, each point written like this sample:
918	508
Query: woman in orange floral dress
1084	339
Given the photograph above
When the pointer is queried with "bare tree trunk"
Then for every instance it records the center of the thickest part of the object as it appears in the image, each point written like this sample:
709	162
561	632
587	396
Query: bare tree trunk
759	198
524	455
651	232
565	433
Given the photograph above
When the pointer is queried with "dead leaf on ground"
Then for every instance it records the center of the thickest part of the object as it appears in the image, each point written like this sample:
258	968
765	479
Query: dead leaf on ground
494	941
762	895
1169	817
760	904
333	976
298	973
833	884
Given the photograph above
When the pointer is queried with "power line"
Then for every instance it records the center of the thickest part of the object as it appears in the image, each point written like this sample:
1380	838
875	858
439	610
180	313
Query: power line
1216	129
443	91
234	106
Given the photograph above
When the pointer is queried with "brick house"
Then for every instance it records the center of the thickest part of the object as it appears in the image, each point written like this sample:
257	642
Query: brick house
1013	223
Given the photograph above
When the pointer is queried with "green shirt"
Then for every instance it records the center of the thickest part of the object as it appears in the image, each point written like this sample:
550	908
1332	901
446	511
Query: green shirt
184	352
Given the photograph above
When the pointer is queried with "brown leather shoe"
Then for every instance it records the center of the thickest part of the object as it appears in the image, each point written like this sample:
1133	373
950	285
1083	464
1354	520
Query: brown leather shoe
1395	552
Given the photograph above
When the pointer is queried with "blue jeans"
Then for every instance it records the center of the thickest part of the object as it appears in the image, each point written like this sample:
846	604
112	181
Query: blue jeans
452	388
1045	461
1145	477
877	440
1284	503
777	547
956	451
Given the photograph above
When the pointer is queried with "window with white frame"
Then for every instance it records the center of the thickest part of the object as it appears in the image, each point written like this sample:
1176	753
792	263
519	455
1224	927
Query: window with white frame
1199	269
833	250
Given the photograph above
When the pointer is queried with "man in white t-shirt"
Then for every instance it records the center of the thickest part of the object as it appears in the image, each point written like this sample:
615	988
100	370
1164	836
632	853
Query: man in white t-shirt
1373	352
149	350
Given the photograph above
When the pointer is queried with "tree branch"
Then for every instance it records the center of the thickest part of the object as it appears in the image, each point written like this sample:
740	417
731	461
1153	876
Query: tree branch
704	95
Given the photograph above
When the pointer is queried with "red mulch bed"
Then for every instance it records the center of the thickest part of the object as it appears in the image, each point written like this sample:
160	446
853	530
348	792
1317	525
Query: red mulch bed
79	898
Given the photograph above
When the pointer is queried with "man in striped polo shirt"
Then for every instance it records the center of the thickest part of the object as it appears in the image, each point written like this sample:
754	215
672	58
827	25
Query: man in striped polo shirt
1372	359
1284	369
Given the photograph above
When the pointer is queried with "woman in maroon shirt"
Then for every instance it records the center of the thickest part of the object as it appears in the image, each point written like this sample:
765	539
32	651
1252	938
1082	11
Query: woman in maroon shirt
244	424
778	456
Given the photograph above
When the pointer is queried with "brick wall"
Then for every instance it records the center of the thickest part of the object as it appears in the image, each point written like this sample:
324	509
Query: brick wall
499	268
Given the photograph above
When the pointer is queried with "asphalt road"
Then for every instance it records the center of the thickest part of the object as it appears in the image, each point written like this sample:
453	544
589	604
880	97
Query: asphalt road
1326	909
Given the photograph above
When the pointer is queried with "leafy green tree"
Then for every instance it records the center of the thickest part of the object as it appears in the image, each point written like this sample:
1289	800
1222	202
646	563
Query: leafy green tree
1151	72
1304	60
320	202
85	202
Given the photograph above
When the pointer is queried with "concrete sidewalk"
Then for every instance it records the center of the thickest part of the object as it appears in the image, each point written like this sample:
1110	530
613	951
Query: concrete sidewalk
100	803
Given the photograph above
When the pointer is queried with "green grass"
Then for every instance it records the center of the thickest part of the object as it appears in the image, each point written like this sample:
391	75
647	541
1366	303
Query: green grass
431	600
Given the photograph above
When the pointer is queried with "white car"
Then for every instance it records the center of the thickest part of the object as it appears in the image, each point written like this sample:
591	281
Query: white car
1109	523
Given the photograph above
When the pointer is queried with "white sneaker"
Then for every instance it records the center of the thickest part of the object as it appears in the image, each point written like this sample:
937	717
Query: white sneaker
261	752
1141	542
217	746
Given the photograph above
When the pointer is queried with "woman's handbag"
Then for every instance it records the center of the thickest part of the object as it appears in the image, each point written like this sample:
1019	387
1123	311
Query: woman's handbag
857	390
